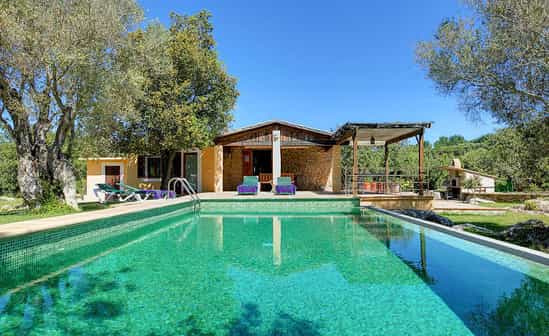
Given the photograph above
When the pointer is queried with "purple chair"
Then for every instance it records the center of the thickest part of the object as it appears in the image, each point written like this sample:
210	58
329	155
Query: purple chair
284	186
249	186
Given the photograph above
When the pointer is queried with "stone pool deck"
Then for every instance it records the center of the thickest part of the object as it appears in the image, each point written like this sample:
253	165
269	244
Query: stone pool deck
42	224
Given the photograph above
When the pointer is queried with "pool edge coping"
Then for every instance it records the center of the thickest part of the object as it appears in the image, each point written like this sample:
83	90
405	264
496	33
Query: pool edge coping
517	250
22	228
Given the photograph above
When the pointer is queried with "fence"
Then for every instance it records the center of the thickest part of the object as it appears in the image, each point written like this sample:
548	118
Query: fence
382	184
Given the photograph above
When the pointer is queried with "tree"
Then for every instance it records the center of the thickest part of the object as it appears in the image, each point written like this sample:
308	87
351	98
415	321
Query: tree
496	61
8	169
55	58
185	97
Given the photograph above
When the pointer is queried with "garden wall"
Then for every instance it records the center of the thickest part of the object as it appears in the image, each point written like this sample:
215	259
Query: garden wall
504	196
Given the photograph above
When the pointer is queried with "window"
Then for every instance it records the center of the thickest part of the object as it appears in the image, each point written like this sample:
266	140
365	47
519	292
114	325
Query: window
153	167
141	166
149	167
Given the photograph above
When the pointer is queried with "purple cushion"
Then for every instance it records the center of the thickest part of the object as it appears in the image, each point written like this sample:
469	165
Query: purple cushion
158	194
246	189
285	189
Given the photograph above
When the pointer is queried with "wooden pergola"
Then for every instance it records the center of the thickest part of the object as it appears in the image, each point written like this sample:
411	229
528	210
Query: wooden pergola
382	134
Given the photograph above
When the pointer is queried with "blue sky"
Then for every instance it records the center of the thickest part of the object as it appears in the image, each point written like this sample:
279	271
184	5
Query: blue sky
323	63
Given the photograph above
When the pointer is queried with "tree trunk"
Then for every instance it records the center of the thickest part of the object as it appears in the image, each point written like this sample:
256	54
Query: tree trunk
167	168
28	178
63	173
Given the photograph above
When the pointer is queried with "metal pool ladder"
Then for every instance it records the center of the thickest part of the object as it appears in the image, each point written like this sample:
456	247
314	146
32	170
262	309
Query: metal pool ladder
187	187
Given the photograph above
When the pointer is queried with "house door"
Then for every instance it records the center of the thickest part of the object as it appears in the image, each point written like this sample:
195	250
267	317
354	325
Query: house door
112	176
247	162
190	161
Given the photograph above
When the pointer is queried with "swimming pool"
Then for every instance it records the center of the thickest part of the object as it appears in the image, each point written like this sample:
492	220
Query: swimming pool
282	268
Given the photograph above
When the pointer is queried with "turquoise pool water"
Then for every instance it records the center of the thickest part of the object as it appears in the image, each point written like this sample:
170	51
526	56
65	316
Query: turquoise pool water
234	271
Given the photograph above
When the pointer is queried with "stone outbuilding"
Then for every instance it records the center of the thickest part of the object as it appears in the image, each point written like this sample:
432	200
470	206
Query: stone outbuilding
458	177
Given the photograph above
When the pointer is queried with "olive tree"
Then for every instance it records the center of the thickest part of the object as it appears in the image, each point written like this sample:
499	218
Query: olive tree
496	61
182	96
55	59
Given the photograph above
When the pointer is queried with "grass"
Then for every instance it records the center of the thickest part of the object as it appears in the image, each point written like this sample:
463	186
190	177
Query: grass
10	203
23	215
494	222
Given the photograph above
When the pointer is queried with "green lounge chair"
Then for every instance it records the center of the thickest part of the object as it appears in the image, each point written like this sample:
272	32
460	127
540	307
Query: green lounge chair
249	186
122	195
284	186
144	194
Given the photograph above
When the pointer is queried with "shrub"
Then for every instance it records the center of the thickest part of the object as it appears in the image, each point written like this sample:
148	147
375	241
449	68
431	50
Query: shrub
530	205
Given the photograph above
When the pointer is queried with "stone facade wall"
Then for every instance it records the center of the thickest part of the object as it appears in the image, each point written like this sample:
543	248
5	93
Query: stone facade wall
232	168
316	168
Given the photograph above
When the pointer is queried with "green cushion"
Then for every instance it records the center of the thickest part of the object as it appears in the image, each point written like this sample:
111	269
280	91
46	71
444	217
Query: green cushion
284	180
250	180
129	187
108	188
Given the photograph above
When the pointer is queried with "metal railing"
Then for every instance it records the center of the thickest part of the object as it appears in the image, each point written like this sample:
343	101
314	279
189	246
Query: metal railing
382	184
185	185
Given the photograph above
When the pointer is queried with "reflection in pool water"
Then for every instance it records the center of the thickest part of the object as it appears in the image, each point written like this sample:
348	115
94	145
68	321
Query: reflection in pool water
283	274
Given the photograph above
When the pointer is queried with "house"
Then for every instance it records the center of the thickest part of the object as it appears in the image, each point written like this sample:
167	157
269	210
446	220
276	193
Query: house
312	157
458	178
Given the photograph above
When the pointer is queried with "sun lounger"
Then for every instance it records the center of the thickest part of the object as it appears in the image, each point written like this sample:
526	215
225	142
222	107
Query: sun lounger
144	194
112	193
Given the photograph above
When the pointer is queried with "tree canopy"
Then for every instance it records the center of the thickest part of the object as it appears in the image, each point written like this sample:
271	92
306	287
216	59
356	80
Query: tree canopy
496	61
182	96
55	59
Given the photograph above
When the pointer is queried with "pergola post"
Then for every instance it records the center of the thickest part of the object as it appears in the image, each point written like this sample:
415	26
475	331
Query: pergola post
386	168
277	157
355	164
420	162
218	169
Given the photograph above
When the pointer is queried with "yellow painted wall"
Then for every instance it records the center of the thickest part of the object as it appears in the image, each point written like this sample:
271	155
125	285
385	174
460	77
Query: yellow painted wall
208	169
95	174
129	171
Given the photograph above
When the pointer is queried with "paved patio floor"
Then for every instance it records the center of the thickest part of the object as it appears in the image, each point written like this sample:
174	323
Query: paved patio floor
270	195
453	205
35	225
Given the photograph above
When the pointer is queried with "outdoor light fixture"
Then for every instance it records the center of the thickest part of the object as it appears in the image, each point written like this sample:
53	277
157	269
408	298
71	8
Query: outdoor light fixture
372	141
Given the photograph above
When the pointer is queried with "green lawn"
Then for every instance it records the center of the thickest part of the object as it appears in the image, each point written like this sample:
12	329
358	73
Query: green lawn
24	215
494	222
10	203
